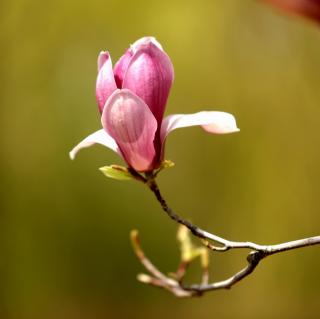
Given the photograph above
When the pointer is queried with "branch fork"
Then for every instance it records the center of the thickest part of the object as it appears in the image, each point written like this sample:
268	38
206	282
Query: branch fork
211	242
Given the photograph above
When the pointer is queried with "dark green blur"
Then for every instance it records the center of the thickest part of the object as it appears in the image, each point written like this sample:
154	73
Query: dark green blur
64	227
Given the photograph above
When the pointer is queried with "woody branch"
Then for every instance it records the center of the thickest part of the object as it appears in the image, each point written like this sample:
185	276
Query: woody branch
212	242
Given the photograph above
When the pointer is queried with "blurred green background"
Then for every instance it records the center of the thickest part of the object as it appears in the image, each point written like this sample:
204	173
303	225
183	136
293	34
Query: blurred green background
65	250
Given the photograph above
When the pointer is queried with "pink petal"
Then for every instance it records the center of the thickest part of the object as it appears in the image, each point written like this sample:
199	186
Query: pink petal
121	66
129	121
150	75
212	122
102	59
105	84
99	137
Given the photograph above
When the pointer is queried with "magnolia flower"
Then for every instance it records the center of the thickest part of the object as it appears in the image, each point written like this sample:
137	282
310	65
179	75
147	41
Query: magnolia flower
307	8
132	98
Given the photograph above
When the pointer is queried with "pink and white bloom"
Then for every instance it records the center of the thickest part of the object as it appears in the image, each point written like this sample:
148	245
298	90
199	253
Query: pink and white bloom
132	97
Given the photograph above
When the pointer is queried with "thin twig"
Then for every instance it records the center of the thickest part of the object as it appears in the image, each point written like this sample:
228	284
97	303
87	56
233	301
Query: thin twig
157	279
253	259
228	244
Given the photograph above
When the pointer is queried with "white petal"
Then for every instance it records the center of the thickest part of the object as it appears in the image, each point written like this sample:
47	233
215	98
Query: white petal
99	137
212	122
143	42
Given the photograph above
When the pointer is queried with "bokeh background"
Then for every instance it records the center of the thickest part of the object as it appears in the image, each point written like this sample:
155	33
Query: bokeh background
65	250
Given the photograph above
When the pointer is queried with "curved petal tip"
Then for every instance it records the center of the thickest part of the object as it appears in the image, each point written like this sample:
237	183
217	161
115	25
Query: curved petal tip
145	41
222	123
102	58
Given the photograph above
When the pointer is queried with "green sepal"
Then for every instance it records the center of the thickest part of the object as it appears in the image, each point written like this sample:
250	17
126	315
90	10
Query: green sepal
164	164
118	172
167	164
